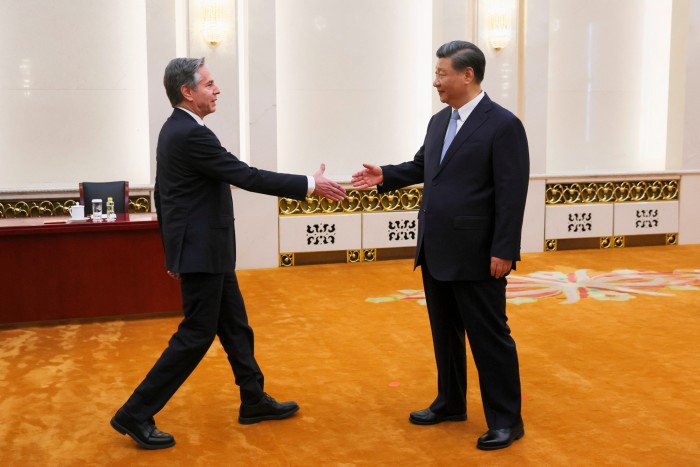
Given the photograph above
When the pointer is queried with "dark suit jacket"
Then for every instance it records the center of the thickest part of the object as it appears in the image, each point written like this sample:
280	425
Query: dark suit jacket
193	195
473	203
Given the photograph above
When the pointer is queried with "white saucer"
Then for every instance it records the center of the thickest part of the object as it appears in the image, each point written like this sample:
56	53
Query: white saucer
78	220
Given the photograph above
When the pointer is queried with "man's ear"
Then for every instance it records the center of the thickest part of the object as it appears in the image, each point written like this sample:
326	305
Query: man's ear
469	74
186	92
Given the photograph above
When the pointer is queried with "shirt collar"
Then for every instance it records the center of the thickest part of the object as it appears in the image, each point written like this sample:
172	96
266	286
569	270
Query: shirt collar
467	108
196	117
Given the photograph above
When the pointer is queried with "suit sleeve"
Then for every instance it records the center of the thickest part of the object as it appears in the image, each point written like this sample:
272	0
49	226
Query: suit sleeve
211	159
511	173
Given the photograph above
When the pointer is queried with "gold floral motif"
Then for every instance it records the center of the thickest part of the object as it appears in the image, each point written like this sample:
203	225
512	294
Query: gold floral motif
605	242
139	205
669	190
353	202
611	192
672	239
605	192
353	256
619	242
286	260
550	245
369	255
406	199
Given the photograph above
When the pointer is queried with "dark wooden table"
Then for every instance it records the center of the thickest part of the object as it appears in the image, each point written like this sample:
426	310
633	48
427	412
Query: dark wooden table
52	268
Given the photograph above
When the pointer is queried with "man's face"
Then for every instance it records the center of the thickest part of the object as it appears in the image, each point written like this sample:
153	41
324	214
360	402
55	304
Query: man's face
204	95
450	84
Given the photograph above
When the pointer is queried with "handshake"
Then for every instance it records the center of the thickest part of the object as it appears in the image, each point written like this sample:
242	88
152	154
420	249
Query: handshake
371	175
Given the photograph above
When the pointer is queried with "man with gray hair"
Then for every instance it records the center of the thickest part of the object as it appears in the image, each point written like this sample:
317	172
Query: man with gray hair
195	214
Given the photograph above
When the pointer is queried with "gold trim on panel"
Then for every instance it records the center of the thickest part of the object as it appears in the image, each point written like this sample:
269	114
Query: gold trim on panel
619	242
550	245
369	255
353	256
605	242
672	239
357	201
57	207
612	192
140	204
286	260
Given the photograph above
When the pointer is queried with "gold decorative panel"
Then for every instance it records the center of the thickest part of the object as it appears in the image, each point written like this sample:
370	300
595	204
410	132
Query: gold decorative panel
611	192
287	259
353	256
369	255
357	201
672	239
550	245
60	207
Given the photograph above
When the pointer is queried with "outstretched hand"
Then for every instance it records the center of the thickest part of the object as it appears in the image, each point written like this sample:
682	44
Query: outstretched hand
327	188
370	176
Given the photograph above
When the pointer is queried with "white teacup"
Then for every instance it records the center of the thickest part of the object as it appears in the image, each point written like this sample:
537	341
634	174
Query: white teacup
77	212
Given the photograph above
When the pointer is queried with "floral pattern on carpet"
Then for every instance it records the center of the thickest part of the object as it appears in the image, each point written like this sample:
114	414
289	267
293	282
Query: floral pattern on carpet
572	287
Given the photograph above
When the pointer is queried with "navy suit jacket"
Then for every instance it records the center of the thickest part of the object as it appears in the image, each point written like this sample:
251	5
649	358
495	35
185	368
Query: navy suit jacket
193	195
474	201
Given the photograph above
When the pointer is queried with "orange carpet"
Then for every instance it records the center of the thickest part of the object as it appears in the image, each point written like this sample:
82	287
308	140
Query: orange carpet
607	340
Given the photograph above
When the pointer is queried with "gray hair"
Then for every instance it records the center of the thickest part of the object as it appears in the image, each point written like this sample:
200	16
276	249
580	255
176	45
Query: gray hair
179	72
464	55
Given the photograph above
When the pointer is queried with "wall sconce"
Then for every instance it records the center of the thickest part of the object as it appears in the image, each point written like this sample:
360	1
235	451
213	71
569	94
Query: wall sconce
213	21
499	19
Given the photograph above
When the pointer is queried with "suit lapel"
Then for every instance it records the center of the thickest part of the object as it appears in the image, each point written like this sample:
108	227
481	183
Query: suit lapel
477	118
436	138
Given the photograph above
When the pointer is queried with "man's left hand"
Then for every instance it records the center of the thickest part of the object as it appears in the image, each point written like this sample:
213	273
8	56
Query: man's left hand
500	267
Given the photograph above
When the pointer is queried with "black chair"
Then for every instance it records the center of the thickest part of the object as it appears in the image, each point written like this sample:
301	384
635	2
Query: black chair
119	191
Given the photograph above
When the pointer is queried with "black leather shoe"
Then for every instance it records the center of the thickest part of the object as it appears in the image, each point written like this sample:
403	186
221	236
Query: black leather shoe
266	409
146	434
428	417
501	438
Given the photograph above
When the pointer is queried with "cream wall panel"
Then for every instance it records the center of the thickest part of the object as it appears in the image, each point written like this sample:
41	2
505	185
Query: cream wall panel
579	221
532	240
354	82
256	230
689	222
389	229
646	218
320	233
74	76
691	123
605	111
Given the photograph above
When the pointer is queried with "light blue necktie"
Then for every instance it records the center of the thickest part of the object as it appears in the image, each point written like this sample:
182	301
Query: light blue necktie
451	132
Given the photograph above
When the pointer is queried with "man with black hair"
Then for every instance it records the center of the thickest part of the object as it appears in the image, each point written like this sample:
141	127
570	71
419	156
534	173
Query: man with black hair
474	165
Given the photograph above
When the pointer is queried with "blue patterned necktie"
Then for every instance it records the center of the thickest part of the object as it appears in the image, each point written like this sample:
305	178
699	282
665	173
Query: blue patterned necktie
451	132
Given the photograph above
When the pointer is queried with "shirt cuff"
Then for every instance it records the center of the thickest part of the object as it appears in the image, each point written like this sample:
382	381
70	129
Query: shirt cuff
312	185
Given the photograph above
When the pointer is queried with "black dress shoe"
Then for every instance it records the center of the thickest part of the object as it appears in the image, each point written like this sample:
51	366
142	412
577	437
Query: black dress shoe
501	438
428	417
266	409
146	434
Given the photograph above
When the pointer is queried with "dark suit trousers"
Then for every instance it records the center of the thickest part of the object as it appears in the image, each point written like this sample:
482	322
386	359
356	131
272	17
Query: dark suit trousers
213	306
479	308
